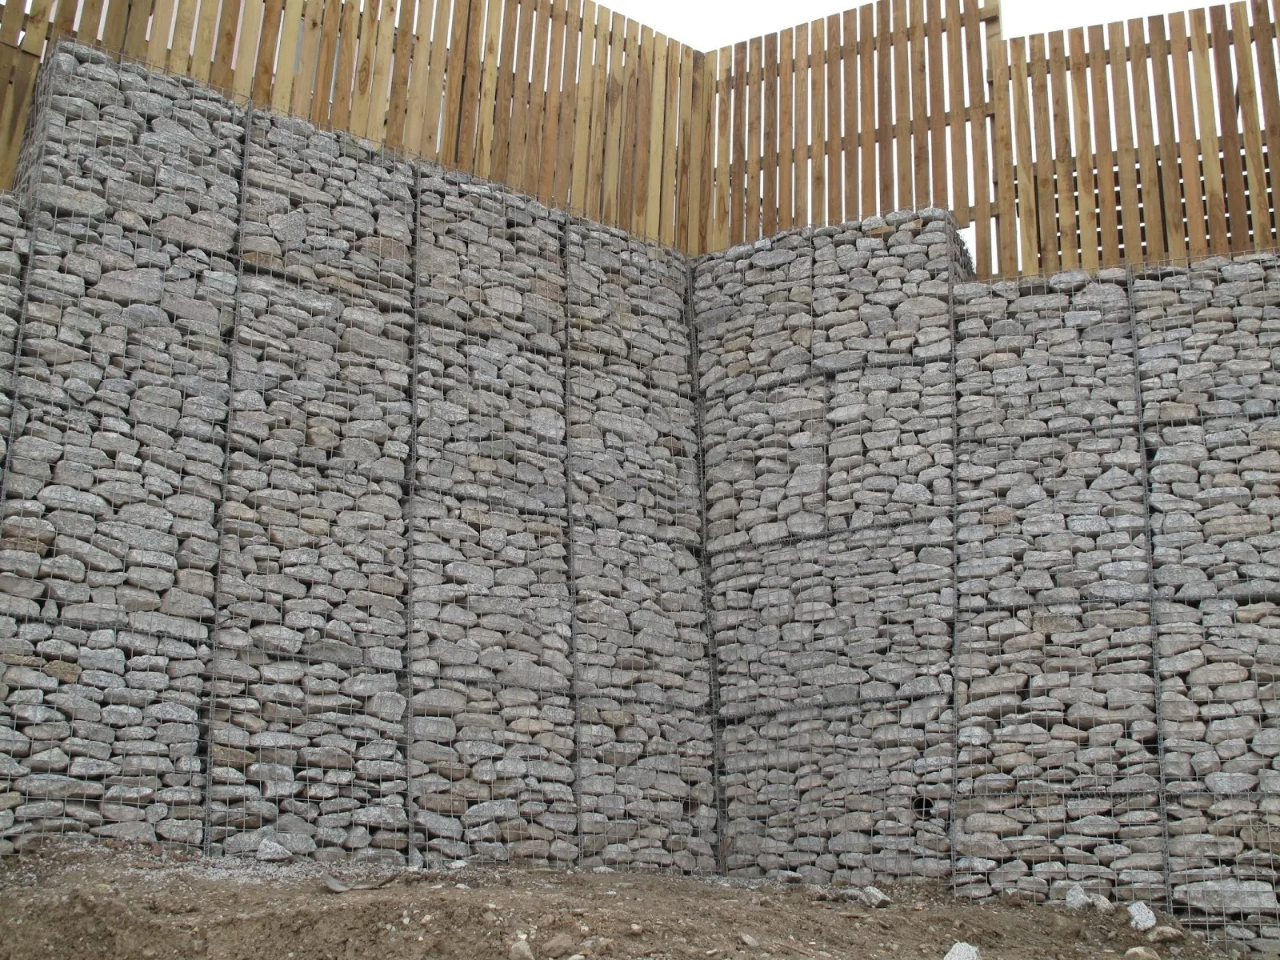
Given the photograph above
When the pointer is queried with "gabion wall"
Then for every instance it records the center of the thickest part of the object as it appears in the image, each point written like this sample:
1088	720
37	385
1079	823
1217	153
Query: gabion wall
357	510
995	570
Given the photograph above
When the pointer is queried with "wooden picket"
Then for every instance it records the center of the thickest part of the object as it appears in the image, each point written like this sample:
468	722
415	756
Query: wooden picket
1137	141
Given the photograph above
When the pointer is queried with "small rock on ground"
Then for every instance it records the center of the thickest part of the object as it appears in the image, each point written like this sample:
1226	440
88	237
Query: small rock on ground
1140	916
963	951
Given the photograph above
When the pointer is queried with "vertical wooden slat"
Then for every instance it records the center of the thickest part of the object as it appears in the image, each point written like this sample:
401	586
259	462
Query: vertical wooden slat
684	188
755	116
222	76
380	96
264	69
247	49
1250	127
1108	221
1264	30
180	48
1232	166
787	130
832	140
455	81
1145	131
345	68
362	82
40	22
135	37
91	19
599	115
1188	143
769	193
504	94
919	105
586	95
287	65
802	152
403	54
326	65
562	180
817	123
537	99
1170	179
1083	161
738	174
555	86
303	84
657	124
884	113
667	232
724	124
1126	156
1062	153
472	77
1214	196
1028	211
206	35
514	167
905	197
706	168
613	117
419	76
867	102
114	27
158	44
1001	153
958	116
1046	213
699	185
18	67
627	154
849	55
937	107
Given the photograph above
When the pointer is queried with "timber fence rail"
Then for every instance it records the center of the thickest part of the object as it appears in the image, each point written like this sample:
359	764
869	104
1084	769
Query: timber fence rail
1145	140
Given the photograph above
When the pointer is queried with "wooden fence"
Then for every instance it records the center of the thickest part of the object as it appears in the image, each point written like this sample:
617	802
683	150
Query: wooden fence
1137	141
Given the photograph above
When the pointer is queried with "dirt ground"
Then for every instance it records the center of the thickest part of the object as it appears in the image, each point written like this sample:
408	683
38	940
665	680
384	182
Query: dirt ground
70	901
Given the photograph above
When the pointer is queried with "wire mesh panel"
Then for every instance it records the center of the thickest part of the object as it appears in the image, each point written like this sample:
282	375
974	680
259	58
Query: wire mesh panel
1038	357
1206	346
889	455
1207	339
753	314
881	290
646	789
1058	777
13	250
493	729
309	710
847	795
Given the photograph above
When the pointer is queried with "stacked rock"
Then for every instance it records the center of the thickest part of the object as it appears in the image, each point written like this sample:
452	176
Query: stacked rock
309	718
492	759
764	410
881	291
99	735
840	795
646	779
13	251
1037	357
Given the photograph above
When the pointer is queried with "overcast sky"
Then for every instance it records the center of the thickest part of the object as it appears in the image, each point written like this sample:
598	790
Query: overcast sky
711	24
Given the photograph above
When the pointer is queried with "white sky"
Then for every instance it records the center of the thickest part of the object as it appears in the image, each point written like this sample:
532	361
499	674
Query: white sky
711	24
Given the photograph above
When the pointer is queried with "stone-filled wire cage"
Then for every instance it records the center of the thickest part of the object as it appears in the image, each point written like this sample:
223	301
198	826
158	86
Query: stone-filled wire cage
357	509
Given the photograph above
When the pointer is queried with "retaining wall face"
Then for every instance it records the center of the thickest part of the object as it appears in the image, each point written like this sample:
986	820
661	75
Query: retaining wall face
352	509
492	761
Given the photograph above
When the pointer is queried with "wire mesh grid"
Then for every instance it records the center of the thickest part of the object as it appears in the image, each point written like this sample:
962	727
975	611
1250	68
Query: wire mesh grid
647	780
425	454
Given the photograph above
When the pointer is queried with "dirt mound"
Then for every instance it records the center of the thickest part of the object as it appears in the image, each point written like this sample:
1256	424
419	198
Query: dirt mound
69	901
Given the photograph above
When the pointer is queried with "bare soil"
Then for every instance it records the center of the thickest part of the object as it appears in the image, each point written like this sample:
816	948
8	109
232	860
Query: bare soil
68	900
